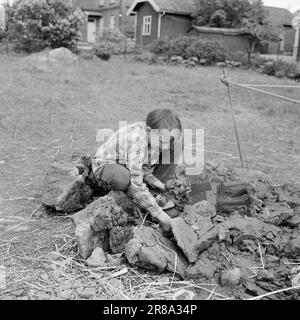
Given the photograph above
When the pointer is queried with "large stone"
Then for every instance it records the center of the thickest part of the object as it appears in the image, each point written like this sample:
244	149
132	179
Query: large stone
277	213
203	209
61	55
250	228
149	249
186	238
234	196
115	210
290	194
85	240
46	60
64	188
198	189
292	248
203	268
294	222
97	258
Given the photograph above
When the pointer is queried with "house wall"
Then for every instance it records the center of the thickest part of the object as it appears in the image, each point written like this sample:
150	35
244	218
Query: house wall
107	10
289	40
145	9
173	26
83	29
232	43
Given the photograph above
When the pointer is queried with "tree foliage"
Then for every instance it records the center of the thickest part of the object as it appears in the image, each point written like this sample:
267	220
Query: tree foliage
38	24
247	15
235	11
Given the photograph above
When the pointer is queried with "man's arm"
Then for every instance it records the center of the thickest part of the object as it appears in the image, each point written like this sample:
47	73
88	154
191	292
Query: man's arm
138	188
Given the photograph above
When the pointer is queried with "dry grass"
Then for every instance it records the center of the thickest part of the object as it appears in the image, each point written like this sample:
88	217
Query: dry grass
51	114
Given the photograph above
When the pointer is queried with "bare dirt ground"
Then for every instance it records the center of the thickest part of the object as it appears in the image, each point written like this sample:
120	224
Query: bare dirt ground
50	114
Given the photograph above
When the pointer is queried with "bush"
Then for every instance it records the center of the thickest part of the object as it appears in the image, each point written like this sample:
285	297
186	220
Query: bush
179	46
104	50
218	19
37	25
188	47
280	69
110	40
160	46
146	57
212	52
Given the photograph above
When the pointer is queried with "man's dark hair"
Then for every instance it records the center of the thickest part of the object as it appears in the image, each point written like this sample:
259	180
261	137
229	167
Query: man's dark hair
163	119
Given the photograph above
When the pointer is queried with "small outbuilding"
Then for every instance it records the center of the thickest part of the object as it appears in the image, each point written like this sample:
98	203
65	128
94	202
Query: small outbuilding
161	18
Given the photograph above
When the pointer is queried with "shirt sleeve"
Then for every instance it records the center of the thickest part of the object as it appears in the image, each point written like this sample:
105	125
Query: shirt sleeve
139	190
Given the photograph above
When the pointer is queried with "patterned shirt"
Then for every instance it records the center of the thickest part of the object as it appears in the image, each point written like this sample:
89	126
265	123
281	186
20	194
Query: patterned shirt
130	147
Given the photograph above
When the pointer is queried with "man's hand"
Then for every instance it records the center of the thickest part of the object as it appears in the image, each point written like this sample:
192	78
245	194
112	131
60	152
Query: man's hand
159	185
164	221
154	182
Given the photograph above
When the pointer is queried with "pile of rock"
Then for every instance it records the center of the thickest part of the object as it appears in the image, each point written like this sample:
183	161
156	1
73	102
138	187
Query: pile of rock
229	64
229	226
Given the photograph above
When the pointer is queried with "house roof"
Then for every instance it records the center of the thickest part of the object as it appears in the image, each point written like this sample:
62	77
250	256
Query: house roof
225	31
279	16
185	7
93	5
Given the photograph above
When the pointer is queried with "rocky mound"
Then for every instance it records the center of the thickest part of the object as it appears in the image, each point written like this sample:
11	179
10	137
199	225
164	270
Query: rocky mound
230	226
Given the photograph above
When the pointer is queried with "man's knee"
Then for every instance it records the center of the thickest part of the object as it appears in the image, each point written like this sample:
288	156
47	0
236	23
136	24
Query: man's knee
116	177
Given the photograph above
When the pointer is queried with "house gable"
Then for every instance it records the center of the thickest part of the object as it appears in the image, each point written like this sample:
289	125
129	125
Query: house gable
279	16
181	7
145	9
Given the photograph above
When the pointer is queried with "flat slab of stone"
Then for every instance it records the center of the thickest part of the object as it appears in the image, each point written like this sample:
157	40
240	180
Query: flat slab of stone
277	213
290	194
245	228
149	249
186	238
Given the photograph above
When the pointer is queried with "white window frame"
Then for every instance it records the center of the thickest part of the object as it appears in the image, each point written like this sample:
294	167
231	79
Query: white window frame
147	24
112	22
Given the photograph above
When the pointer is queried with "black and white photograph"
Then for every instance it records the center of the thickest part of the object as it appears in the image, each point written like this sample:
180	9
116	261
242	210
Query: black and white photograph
149	151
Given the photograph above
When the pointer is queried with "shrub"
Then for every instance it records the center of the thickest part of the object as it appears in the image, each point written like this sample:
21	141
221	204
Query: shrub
212	52
280	69
218	19
146	57
110	40
37	25
104	50
179	46
160	46
188	47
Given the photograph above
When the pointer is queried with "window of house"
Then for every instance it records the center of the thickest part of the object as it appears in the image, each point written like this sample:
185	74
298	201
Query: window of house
112	22
147	25
112	1
101	3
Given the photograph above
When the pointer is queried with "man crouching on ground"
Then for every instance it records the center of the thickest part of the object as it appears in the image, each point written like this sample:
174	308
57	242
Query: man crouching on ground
135	151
